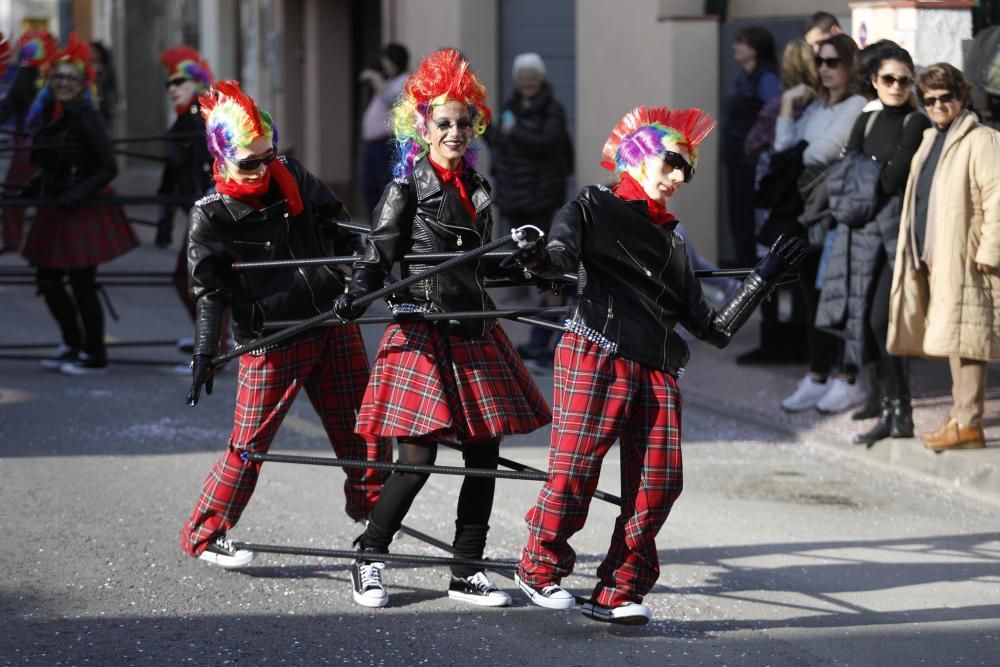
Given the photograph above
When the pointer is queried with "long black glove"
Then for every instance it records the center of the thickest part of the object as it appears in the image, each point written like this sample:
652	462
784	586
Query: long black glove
786	253
203	375
531	256
345	309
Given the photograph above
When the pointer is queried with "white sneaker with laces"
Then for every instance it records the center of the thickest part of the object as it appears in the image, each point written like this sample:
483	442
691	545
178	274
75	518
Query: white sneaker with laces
221	552
630	613
477	589
842	395
367	581
552	596
806	395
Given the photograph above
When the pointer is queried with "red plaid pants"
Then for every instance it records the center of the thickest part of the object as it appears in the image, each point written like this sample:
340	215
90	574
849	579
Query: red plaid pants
332	365
599	398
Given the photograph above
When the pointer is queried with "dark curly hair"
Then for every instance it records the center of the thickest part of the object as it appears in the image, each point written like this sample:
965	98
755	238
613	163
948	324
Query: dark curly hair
944	76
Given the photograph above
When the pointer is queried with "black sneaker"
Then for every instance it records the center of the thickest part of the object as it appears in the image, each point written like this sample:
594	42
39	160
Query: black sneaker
85	364
477	589
63	354
367	581
221	552
552	596
630	613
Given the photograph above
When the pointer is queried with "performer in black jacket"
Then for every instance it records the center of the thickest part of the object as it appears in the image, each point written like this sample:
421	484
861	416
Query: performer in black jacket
617	366
269	208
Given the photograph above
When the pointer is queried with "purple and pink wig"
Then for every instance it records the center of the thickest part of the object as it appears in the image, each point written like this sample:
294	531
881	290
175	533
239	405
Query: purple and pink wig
643	133
232	121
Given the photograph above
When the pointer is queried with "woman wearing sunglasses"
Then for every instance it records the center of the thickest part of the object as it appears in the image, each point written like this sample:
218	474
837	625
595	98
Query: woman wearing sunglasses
73	235
854	302
268	207
617	365
945	297
823	129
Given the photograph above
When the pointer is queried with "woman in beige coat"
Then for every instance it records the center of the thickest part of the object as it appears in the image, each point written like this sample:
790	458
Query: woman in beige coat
945	299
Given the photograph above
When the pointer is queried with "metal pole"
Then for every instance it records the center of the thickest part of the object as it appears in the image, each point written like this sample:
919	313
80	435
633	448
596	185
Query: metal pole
430	317
393	467
380	557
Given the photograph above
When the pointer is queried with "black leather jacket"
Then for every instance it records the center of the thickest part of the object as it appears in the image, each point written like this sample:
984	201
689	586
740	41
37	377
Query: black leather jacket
635	281
73	153
418	215
226	230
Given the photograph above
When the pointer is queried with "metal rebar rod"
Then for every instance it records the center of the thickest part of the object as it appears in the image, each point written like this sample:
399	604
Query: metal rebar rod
430	317
379	557
121	343
111	362
393	467
120	200
444	546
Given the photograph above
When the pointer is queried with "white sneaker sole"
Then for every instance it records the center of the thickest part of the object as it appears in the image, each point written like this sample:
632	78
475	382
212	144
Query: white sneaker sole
496	599
609	616
228	562
549	603
369	601
69	369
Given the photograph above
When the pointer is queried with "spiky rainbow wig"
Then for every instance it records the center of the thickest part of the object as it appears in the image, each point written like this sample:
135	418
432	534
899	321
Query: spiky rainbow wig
34	48
187	62
642	133
232	121
442	77
77	54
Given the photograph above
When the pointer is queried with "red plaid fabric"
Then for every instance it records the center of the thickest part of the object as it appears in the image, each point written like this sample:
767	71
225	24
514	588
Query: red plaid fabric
19	173
332	366
75	238
599	398
450	388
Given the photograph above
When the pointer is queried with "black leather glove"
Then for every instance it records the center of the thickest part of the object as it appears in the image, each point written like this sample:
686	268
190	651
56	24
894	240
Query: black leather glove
785	254
345	309
531	256
203	375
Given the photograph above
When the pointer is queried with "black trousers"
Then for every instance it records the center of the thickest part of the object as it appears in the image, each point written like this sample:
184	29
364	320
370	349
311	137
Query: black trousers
80	318
892	372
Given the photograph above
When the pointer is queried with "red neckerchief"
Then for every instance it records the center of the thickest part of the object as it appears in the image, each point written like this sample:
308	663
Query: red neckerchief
630	190
253	192
454	177
182	109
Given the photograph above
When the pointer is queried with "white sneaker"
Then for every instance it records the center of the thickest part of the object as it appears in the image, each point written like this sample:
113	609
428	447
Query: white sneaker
552	596
841	396
806	395
366	578
477	589
221	552
630	613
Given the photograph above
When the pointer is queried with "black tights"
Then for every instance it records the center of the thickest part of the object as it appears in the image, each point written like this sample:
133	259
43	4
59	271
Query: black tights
475	501
80	318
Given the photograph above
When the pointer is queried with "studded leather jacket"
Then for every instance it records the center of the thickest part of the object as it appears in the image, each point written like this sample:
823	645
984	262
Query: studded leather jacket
418	215
635	282
226	230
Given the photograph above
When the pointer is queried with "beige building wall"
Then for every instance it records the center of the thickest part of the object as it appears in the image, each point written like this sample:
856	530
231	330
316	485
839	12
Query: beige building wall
746	9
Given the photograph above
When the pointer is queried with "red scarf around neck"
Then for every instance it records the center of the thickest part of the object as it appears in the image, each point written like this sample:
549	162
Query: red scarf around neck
630	190
454	177
253	192
182	109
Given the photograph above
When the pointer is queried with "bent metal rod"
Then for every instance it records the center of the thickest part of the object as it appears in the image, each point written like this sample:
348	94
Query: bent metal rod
394	467
381	557
402	318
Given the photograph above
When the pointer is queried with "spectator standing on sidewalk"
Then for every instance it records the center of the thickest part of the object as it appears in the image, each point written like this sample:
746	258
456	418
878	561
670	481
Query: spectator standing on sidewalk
822	132
532	159
945	297
72	151
820	26
386	83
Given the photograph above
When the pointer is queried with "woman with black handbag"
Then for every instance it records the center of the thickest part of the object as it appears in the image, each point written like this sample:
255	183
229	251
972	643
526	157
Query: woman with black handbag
854	302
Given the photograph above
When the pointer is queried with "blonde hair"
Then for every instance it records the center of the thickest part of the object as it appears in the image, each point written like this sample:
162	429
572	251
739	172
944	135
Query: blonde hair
798	65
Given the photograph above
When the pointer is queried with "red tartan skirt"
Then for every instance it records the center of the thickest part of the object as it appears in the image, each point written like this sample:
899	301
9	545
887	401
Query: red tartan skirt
426	383
74	238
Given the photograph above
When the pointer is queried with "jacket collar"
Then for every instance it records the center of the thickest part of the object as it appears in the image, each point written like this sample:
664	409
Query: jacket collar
240	210
965	122
426	183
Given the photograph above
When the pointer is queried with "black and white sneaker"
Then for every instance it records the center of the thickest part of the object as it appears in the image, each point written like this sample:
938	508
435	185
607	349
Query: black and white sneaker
221	552
63	354
630	613
477	589
367	581
552	596
85	364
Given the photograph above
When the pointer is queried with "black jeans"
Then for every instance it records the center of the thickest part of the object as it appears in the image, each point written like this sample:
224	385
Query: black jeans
80	318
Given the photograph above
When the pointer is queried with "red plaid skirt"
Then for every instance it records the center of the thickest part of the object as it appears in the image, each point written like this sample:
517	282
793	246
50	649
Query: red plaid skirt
74	238
451	388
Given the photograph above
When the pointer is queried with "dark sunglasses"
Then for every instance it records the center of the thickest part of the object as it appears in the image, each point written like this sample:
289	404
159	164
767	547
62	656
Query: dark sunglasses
251	163
464	125
677	161
176	81
888	80
932	101
65	78
831	63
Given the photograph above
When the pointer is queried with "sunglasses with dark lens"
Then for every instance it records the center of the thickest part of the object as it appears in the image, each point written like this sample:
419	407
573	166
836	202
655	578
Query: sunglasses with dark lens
65	78
831	63
464	125
176	81
932	101
888	80
677	161
251	163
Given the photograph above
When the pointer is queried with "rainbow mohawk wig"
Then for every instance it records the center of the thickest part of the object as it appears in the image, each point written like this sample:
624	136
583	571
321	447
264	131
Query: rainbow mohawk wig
442	77
185	61
232	120
34	48
642	132
77	54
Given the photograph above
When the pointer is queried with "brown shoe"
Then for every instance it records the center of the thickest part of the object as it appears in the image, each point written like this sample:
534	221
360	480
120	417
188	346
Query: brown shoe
954	436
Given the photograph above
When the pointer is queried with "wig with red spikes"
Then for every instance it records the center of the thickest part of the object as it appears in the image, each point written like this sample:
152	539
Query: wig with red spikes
35	48
642	133
77	54
232	120
187	62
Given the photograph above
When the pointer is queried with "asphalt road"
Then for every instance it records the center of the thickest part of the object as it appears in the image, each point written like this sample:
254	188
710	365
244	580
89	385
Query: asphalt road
776	553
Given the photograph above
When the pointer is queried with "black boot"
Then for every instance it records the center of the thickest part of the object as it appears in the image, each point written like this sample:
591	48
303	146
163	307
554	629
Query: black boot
902	418
882	428
872	406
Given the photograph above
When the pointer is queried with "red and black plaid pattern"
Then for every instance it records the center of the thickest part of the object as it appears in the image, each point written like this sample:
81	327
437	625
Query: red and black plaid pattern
600	397
19	173
75	238
332	366
448	387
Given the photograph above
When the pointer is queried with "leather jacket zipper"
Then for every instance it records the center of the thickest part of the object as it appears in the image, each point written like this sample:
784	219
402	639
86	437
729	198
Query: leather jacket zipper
266	245
649	274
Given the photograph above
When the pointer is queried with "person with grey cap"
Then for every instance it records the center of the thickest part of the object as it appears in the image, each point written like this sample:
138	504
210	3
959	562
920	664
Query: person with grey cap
532	159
